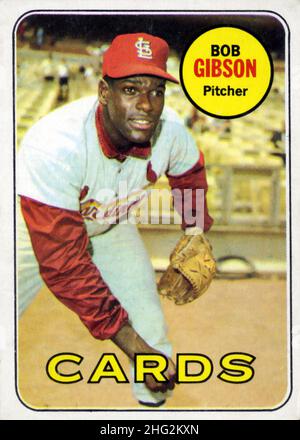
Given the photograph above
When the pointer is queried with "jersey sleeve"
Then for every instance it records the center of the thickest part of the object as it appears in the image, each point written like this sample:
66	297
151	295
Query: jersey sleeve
45	177
60	243
187	178
184	152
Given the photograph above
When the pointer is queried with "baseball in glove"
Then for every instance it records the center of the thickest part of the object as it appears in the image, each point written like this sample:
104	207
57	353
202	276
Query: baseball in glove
191	270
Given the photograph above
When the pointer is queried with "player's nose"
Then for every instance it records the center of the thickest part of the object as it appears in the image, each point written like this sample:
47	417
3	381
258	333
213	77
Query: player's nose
144	103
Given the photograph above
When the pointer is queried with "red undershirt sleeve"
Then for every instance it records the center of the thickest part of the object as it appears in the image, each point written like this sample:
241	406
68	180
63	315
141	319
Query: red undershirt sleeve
60	243
189	196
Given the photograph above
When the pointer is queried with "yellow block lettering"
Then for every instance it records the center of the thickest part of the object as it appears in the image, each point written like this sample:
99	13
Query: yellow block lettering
108	366
154	364
182	365
234	368
57	376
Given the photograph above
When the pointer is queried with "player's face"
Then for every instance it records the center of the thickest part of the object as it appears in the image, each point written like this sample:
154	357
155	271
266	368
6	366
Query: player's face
132	108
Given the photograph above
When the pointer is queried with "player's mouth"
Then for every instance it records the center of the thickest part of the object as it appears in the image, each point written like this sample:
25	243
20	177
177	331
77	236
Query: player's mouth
141	124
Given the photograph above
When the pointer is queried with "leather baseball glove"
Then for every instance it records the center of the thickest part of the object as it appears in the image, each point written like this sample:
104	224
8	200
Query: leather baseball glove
191	270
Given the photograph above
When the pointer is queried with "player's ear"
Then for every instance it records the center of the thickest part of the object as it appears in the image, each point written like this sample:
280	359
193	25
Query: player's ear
103	91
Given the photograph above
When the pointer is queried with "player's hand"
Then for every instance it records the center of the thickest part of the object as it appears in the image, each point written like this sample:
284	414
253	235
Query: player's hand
170	375
131	343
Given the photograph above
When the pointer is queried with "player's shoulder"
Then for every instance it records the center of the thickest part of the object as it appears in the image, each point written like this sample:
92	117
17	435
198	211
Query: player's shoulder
63	127
172	126
171	117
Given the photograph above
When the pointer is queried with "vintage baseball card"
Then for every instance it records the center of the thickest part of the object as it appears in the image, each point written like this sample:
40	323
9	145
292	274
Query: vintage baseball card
150	213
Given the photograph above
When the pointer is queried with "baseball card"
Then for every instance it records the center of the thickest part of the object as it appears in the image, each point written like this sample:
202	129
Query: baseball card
150	242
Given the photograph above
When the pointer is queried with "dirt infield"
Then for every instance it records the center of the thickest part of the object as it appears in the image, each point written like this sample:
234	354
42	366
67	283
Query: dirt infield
248	316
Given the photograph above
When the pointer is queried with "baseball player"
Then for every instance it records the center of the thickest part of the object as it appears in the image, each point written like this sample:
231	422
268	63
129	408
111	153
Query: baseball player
72	167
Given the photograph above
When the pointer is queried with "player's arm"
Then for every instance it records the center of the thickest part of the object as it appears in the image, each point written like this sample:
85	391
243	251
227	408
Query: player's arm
60	243
189	190
192	265
186	174
130	342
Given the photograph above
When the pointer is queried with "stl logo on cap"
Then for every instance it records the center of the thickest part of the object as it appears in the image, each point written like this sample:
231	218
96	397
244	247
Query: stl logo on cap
143	48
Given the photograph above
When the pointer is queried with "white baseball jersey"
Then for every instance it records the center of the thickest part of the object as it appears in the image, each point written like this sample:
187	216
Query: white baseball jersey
68	162
63	164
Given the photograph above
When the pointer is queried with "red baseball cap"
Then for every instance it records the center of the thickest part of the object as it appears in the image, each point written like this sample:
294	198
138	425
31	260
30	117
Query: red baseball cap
137	54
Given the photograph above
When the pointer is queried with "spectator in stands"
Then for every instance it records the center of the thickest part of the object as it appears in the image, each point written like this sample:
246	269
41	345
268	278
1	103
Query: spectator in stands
277	139
22	30
196	120
63	80
39	37
48	68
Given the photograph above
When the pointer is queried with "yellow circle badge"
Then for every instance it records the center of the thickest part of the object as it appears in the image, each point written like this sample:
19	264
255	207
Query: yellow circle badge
226	72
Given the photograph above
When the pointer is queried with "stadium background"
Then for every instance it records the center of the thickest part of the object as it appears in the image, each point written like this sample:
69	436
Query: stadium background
246	167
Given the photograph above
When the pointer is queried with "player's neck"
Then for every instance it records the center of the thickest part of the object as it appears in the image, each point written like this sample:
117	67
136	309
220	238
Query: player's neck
122	151
120	143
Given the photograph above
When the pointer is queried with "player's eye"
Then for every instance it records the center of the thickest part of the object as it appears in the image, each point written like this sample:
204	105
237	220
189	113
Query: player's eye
158	92
129	90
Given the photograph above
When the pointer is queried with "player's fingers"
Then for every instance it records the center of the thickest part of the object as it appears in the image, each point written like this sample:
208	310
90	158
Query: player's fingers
161	387
171	382
154	386
170	385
